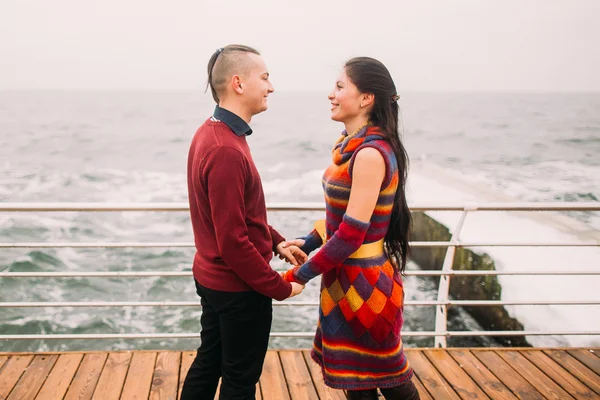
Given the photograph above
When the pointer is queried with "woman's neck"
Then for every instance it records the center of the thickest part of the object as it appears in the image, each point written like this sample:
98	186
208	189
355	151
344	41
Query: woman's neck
353	126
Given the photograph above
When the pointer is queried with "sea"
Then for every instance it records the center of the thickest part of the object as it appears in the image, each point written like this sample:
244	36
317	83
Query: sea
129	147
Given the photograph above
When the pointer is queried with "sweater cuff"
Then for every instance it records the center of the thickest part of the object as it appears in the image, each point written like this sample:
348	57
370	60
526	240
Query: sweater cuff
291	275
360	225
275	237
312	241
283	292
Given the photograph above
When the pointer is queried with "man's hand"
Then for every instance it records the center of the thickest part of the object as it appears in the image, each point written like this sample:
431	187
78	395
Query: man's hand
291	252
296	289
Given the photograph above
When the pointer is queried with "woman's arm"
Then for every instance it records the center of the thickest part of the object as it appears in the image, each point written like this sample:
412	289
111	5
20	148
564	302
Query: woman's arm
368	174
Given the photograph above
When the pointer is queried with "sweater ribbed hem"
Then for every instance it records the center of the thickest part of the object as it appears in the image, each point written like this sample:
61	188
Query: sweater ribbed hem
375	384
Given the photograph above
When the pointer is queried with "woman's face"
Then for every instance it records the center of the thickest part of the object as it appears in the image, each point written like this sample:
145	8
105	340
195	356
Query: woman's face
345	100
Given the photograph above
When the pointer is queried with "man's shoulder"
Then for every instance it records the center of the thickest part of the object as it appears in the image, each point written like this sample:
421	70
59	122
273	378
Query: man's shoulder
215	143
219	133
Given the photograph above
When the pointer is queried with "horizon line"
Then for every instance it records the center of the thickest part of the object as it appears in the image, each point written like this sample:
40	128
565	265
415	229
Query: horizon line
420	91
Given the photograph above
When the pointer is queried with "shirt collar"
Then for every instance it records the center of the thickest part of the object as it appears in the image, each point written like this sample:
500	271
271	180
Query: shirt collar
235	123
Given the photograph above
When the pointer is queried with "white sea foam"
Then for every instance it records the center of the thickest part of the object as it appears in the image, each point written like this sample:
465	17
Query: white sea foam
429	184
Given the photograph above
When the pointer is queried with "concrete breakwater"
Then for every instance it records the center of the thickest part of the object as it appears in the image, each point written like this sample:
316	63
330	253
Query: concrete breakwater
426	228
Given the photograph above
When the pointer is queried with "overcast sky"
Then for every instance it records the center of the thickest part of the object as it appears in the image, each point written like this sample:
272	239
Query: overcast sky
440	45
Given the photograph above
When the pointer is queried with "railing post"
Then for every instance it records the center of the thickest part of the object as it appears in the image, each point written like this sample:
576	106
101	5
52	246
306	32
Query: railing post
441	311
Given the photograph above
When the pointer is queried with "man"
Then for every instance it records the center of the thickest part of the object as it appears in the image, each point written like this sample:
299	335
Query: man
234	243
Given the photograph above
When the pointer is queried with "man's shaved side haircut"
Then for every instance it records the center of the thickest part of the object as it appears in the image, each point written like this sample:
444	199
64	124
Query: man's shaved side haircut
224	63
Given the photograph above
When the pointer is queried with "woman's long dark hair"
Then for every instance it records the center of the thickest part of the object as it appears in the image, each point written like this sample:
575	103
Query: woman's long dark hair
371	76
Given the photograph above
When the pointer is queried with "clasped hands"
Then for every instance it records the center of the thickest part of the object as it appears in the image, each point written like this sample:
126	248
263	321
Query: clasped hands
290	252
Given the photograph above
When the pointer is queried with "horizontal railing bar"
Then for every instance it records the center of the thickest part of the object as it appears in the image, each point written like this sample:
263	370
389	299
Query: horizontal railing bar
175	206
187	274
519	333
107	245
34	304
522	302
121	245
305	206
287	334
505	244
495	273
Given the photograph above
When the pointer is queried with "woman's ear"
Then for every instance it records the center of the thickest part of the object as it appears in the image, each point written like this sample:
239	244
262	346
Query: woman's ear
367	100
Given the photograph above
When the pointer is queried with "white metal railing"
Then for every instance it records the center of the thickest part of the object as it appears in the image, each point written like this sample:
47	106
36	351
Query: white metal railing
442	303
305	206
36	304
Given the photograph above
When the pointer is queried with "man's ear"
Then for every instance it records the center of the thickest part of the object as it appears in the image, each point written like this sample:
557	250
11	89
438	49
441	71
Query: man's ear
236	84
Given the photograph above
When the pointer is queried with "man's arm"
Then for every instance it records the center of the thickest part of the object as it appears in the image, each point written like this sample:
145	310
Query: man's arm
225	171
277	238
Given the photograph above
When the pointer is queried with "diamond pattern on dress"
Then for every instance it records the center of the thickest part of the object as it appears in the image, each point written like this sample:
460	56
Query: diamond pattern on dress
354	299
364	306
336	292
363	287
377	301
385	284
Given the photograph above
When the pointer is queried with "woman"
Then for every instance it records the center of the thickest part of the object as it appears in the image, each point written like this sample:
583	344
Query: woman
358	342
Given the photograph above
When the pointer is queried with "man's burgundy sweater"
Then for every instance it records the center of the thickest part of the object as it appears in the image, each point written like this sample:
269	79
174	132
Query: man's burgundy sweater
234	243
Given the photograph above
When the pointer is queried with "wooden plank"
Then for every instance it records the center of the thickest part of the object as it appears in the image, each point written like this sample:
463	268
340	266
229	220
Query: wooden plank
86	378
60	377
324	391
139	377
533	375
3	360
12	371
166	374
587	358
480	374
33	378
559	375
431	378
187	358
578	370
511	378
272	380
298	377
113	375
423	393
462	384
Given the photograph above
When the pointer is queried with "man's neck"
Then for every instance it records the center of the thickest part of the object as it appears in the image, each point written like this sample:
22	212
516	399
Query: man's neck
237	109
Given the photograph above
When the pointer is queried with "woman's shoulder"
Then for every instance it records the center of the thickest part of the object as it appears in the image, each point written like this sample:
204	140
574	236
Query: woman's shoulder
375	154
380	145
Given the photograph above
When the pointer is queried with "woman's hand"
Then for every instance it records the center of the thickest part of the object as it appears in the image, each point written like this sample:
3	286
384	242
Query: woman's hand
291	253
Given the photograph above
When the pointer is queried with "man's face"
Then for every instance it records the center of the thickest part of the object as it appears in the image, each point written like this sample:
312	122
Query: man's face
256	85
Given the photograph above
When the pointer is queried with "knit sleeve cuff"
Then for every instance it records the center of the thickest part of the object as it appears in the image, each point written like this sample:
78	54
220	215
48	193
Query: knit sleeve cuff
291	275
360	225
275	237
312	241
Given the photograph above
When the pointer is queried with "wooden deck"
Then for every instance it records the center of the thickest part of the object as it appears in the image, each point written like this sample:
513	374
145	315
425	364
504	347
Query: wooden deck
290	374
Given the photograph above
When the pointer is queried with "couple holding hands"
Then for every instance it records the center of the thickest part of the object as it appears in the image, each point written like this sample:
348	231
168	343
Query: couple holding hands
363	241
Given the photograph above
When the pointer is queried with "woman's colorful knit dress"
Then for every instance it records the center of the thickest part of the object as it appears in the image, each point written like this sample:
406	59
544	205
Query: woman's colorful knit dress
358	342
